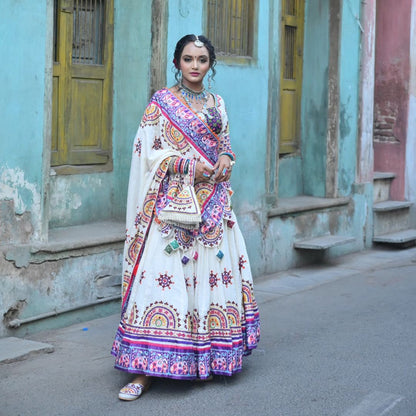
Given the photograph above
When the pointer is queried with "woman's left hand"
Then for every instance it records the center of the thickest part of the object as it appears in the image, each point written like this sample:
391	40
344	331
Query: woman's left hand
224	168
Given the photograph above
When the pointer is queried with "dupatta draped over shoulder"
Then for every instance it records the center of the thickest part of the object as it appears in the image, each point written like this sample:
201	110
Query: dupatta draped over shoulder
172	275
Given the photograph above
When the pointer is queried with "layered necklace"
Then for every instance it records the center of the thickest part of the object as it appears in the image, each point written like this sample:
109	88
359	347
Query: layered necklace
193	97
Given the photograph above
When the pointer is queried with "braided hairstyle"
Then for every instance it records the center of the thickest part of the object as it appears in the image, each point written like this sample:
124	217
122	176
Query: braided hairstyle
181	45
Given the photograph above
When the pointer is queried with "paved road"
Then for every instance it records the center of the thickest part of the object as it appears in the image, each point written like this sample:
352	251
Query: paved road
337	340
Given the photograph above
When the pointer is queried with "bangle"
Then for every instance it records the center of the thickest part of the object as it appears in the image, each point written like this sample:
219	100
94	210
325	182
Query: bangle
179	165
231	155
186	166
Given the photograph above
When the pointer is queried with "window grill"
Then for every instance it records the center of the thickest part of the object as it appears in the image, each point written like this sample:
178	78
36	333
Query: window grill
230	26
290	49
88	32
55	31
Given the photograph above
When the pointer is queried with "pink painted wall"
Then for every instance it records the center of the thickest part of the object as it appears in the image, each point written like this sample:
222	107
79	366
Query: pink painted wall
391	95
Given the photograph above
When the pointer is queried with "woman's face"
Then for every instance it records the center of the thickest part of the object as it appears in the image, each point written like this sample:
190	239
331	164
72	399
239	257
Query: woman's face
194	65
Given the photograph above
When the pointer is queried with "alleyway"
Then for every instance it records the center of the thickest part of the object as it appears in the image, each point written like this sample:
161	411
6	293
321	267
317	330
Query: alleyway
337	340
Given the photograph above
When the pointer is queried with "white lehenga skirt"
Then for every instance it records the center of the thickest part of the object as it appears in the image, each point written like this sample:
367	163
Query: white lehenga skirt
190	313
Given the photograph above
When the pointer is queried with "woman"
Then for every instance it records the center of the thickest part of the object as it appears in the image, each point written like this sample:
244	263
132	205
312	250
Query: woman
188	310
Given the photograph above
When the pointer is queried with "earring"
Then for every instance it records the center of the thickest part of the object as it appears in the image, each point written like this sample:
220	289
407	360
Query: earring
209	81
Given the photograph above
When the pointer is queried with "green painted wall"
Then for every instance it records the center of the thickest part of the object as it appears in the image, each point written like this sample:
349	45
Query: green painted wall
350	56
315	97
23	43
290	177
132	53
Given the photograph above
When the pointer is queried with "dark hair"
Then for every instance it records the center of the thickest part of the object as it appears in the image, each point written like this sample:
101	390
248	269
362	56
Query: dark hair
192	38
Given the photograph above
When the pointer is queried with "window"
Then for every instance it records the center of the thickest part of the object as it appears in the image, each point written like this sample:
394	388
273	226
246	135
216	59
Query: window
291	74
230	27
82	83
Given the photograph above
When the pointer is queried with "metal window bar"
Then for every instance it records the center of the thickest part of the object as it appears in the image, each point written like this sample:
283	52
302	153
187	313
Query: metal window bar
88	39
229	26
55	31
290	42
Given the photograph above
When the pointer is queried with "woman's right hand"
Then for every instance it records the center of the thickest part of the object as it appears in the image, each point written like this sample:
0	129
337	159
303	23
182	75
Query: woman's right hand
202	172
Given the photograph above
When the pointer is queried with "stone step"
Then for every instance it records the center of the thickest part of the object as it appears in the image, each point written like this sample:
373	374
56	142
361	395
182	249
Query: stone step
399	237
383	175
323	243
390	205
16	349
381	185
390	217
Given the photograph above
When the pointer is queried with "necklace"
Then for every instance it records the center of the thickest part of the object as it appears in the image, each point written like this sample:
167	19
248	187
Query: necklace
191	94
193	97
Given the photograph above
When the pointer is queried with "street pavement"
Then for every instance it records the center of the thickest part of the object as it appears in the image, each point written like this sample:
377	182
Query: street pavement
337	339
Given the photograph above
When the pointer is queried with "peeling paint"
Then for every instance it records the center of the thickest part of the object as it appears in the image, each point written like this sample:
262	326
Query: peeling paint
14	186
77	199
24	194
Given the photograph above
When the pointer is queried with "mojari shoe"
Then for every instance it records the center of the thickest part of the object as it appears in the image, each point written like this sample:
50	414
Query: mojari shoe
132	391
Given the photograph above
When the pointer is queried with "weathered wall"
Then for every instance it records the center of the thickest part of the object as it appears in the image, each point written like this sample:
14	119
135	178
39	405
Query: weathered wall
52	286
315	97
79	199
349	68
23	46
392	72
365	153
36	277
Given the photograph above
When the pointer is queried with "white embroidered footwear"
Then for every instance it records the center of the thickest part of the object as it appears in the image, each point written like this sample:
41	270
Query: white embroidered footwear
132	391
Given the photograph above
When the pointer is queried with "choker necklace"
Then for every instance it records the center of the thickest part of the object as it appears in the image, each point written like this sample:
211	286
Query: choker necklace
196	96
191	94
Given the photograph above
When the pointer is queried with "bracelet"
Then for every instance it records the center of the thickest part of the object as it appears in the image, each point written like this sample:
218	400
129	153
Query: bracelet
179	165
231	155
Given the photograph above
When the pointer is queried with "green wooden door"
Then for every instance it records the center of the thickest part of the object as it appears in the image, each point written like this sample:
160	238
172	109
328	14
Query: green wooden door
291	74
82	83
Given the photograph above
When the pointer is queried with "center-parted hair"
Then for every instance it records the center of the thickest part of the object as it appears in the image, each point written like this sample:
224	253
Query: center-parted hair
181	45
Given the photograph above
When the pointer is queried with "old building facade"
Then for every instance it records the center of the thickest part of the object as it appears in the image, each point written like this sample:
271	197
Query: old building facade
320	95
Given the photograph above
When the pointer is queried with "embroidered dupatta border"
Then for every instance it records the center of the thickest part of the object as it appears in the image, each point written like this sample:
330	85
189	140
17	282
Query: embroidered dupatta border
135	249
183	124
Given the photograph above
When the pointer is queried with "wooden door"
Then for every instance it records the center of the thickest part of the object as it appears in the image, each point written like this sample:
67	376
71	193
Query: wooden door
291	74
82	83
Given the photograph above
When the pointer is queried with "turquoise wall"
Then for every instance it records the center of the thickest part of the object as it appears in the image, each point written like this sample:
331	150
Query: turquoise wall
132	53
244	89
79	199
315	97
290	177
22	78
350	55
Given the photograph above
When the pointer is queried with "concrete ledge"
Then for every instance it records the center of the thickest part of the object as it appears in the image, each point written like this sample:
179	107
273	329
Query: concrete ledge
82	236
385	206
299	204
399	237
68	242
16	349
383	175
323	242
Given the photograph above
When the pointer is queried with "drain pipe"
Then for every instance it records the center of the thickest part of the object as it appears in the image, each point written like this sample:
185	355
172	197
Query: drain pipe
16	323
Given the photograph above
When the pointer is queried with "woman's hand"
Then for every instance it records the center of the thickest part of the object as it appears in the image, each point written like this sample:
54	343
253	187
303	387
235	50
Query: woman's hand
224	169
202	172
